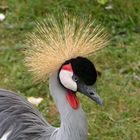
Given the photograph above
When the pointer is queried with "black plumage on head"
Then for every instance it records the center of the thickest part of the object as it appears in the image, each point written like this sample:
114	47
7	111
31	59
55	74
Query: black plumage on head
84	69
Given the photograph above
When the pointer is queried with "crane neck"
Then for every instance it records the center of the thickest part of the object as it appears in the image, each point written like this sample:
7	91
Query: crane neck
73	122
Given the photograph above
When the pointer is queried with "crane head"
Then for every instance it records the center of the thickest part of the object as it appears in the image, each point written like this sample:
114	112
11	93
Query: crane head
78	75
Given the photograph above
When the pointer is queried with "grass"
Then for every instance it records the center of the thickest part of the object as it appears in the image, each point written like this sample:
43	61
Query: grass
119	64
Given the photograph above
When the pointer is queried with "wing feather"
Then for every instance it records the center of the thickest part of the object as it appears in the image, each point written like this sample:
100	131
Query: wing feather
19	117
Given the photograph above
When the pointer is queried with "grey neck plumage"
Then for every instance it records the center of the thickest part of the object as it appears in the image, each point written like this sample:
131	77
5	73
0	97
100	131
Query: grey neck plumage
73	122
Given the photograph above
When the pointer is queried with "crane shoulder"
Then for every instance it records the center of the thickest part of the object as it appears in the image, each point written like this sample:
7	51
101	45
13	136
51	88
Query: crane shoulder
21	120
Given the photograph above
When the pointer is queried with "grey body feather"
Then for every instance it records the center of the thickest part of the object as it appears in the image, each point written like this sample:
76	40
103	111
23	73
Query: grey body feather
26	123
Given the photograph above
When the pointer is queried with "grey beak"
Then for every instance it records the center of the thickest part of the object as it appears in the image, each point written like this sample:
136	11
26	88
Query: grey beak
90	92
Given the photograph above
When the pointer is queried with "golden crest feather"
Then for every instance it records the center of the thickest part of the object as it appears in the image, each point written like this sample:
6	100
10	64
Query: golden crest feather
59	39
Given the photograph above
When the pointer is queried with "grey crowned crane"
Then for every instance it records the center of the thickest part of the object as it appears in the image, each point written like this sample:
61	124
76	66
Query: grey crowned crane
58	50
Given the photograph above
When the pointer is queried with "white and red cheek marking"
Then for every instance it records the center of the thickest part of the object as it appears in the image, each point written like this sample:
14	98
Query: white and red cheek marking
65	76
66	80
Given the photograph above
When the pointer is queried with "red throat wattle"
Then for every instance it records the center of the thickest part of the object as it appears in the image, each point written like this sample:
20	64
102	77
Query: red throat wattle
72	99
70	95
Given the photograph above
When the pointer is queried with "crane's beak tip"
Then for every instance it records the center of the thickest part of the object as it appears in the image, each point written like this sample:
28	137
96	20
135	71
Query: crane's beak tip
101	103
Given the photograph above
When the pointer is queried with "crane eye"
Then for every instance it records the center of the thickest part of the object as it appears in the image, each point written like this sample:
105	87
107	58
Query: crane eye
75	78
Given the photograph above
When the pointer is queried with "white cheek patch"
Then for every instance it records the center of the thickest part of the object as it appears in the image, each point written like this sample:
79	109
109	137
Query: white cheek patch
66	80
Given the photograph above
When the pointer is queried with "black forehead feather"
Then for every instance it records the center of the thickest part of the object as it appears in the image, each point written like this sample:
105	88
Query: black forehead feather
84	69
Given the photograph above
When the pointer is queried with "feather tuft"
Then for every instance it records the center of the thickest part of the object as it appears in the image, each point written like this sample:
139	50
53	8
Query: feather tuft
57	40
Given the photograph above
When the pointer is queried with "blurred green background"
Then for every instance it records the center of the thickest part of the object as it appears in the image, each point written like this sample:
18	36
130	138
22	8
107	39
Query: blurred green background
119	63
